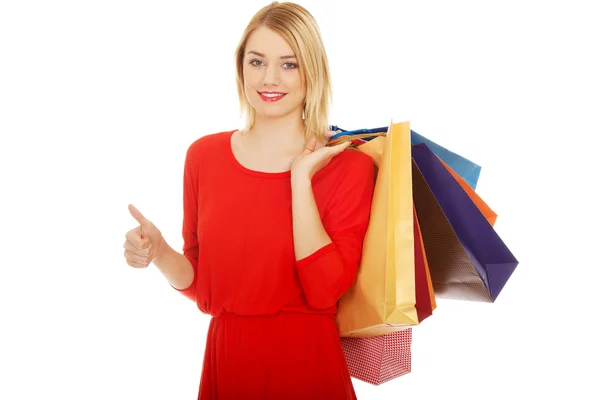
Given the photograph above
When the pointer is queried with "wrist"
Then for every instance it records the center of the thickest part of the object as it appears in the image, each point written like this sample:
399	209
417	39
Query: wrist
162	249
301	181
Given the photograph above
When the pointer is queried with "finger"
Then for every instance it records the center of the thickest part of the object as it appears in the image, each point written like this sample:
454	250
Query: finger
136	239
310	146
139	217
135	250
136	264
338	148
136	258
145	243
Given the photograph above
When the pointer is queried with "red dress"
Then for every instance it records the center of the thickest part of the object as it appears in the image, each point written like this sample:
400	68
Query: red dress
272	334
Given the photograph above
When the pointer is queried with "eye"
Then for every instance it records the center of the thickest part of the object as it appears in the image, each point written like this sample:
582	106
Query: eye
290	65
255	63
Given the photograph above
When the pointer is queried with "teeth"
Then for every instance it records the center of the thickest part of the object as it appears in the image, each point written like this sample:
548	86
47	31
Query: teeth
271	95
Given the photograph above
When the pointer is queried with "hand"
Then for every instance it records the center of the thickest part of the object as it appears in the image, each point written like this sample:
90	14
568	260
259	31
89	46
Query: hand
144	243
312	159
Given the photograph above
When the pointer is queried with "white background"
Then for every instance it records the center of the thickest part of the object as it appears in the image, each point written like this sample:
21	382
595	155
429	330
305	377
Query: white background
99	101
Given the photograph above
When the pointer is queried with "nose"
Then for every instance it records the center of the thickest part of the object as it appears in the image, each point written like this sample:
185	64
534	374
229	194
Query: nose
271	76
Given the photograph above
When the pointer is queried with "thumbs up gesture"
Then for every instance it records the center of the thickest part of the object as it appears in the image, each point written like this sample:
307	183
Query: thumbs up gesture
142	243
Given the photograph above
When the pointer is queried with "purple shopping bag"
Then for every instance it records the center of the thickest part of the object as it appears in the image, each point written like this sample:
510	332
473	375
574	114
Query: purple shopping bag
467	259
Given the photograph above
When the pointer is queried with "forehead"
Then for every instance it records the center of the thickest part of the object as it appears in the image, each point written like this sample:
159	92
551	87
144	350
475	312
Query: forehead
268	42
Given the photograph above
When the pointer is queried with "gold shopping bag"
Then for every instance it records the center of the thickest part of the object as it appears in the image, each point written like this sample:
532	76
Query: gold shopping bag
393	289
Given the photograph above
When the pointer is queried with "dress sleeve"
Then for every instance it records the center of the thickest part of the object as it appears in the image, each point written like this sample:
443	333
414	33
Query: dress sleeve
329	272
190	219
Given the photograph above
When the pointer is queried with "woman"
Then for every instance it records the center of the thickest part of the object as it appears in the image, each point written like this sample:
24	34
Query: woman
273	224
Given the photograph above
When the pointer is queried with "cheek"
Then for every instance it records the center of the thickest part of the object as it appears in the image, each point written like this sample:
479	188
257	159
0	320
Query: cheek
294	81
250	77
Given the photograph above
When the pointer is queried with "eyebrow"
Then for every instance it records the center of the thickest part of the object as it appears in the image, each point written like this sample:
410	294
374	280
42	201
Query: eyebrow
262	55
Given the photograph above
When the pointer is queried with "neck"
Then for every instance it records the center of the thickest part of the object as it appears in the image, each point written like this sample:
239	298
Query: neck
285	133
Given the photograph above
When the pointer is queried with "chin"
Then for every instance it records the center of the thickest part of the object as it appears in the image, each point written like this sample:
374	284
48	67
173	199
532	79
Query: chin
272	112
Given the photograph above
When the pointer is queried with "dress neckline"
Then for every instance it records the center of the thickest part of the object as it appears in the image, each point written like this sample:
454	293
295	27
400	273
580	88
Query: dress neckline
248	171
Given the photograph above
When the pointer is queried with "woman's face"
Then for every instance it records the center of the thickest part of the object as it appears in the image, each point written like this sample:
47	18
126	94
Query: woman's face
272	80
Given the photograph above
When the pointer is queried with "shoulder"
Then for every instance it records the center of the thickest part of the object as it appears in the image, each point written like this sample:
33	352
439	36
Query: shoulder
349	173
352	163
210	140
207	144
348	182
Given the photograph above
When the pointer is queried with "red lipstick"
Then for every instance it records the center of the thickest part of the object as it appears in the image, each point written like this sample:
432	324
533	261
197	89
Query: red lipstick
271	96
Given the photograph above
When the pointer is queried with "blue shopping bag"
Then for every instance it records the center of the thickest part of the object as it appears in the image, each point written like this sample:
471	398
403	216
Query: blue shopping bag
467	169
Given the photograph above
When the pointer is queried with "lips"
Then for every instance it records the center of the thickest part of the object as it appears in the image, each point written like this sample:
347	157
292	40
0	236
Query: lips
271	96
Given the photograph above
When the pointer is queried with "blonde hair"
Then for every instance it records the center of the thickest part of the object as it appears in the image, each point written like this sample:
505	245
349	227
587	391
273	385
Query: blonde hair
299	28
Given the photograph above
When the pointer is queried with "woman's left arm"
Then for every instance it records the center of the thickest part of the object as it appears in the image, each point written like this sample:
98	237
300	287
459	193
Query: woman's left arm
328	251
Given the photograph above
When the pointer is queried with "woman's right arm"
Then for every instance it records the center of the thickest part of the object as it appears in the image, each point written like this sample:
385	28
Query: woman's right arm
176	267
181	269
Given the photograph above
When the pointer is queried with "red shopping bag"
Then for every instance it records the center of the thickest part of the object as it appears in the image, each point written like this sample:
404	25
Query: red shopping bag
379	359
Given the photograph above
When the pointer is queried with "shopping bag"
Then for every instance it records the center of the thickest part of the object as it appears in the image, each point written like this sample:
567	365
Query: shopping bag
465	168
487	212
379	359
393	289
467	258
424	292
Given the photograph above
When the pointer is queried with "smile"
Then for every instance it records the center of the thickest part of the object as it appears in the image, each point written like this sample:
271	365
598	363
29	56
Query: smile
271	96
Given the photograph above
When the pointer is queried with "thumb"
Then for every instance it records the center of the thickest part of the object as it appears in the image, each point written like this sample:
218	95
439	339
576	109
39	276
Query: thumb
139	217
